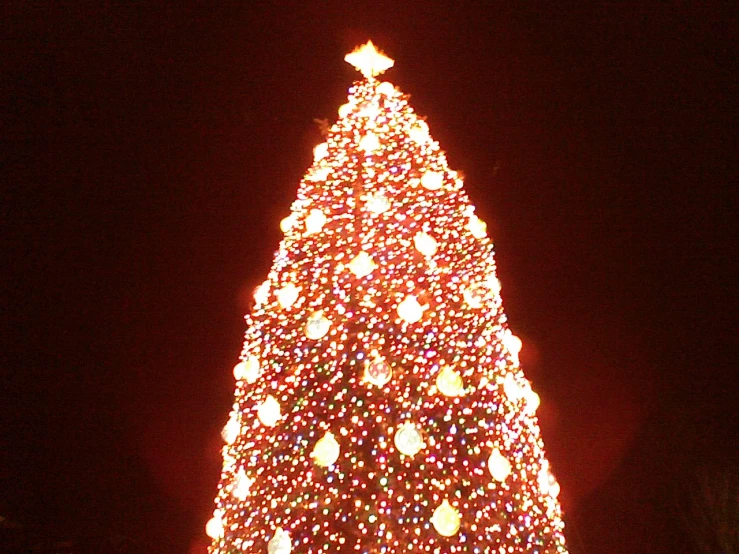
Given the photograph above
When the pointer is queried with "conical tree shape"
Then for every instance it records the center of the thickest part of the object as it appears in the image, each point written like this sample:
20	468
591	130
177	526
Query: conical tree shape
379	405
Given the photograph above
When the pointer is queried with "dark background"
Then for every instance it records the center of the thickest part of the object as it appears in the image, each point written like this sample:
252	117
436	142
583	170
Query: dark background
149	153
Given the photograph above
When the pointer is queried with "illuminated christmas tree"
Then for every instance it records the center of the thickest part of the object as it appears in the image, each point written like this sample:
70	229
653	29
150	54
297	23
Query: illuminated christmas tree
380	406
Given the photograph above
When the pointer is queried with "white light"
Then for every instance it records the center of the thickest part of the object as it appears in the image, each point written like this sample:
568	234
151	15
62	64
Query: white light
326	451
320	151
474	296
425	244
449	382
369	143
261	293
419	133
432	180
532	401
317	326
214	527
232	429
241	486
362	265
410	310
512	343
408	440
247	370
512	389
287	223
499	466
287	295
547	482
477	227
269	411
280	542
377	371
319	174
446	520
314	222
378	203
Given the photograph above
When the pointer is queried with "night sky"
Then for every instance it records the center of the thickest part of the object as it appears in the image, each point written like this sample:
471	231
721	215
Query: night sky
149	153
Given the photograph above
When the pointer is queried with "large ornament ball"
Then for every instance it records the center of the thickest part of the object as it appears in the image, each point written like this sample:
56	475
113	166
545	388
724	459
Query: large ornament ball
287	295
449	382
432	180
446	519
386	88
214	527
242	484
377	371
232	429
345	110
314	222
248	370
410	310
425	244
499	466
326	451
362	265
280	543
317	326
320	151
408	439
269	412
369	143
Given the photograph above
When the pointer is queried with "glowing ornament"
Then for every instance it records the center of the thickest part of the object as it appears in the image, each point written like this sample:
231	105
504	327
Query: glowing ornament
320	151
214	527
419	133
386	88
446	519
425	244
345	109
287	295
280	543
499	466
288	223
474	296
449	382
532	401
378	203
362	265
319	174
368	60
512	343
547	482
317	326
512	389
232	429
377	371
261	293
408	440
247	370
369	143
269	411
326	451
432	180
314	222
410	310
477	227
241	485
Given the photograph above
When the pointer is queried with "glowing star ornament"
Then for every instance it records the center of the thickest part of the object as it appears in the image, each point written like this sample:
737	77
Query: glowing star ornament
377	371
499	466
408	439
369	143
320	151
378	203
362	265
280	543
368	60
409	310
287	296
446	519
477	227
314	222
269	412
449	382
214	527
432	180
248	370
241	486
425	244
326	451
317	326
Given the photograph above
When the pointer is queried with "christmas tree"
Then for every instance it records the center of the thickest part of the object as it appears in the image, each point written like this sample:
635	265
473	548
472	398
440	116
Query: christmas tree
380	406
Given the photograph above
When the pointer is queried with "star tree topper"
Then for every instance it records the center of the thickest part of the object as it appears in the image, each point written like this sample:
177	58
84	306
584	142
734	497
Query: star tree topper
368	60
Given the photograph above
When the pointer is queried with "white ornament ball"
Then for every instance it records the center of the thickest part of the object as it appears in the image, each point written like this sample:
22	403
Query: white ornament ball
345	110
499	466
378	203
261	293
446	519
314	222
419	133
408	439
242	484
280	543
214	527
477	227
377	371
449	382
287	295
362	265
248	370
386	88
432	180
369	143
326	450
320	151
410	310
425	244
269	411
317	326
232	429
